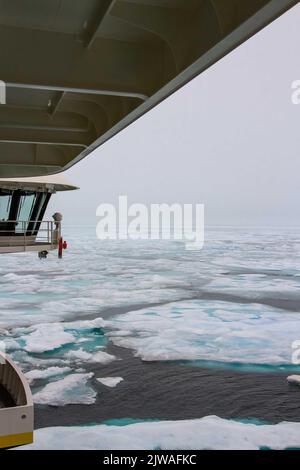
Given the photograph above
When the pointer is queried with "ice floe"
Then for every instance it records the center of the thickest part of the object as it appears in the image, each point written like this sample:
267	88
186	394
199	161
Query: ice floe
28	362
207	331
124	273
40	374
41	302
255	286
110	381
72	389
46	337
206	433
51	352
79	355
112	276
294	379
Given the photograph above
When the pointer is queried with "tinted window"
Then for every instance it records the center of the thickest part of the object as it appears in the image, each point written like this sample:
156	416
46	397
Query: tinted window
5	201
25	209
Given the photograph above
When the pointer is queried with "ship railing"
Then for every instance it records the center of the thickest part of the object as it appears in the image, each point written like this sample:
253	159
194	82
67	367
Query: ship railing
28	232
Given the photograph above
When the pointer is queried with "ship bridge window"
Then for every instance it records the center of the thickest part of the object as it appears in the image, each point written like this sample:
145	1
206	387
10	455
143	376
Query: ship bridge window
25	210
5	203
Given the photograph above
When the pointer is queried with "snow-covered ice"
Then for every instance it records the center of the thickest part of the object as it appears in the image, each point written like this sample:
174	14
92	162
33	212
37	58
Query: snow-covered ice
48	316
72	389
207	331
46	337
210	432
110	381
79	355
294	379
38	374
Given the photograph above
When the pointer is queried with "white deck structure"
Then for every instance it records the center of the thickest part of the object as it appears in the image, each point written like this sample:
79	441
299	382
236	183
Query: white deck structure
23	202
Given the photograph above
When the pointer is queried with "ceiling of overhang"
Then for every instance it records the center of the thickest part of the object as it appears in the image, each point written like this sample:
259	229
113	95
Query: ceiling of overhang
78	71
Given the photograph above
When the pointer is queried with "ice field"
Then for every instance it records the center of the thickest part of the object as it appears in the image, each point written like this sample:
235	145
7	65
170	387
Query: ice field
235	303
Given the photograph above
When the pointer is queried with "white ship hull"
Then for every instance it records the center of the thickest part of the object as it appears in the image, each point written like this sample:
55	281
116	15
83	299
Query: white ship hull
16	406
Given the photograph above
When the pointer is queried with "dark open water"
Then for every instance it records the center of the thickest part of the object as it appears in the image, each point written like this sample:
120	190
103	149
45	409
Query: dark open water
173	391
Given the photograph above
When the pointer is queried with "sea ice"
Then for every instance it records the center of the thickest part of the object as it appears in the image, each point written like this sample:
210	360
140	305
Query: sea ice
110	381
72	389
255	286
79	355
207	331
54	371
46	337
210	432
294	379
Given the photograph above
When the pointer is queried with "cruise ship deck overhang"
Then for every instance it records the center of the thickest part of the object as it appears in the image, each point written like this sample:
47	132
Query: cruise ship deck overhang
79	71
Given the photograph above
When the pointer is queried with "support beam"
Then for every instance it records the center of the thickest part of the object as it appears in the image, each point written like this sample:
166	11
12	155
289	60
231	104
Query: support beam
104	8
29	158
33	165
47	136
54	105
32	127
245	31
112	67
76	83
13	117
63	144
70	89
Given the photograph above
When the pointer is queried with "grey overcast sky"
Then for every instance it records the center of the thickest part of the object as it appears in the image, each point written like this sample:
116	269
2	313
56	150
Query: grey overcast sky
229	139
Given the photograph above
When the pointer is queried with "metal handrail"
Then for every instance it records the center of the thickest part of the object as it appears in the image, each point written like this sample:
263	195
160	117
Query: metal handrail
42	232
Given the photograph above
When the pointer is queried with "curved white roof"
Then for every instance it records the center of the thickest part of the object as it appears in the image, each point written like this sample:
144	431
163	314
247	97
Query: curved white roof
38	183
